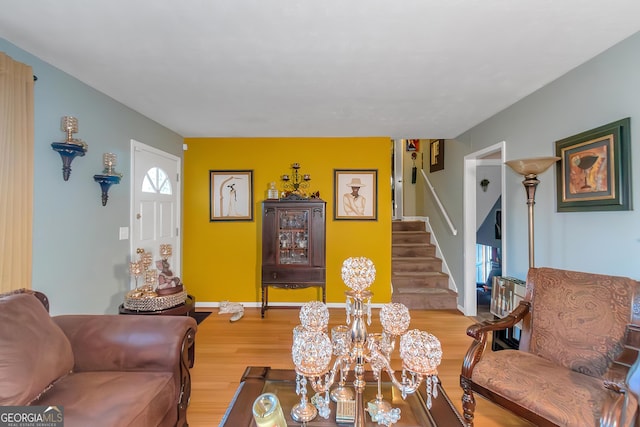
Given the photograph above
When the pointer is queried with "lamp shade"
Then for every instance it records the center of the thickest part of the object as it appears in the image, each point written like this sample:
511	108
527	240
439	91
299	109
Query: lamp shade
532	166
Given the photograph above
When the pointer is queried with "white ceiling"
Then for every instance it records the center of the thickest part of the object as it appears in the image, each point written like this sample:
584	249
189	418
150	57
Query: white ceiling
399	68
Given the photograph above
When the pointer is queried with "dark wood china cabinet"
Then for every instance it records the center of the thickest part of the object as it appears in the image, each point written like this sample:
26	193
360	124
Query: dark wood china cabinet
293	246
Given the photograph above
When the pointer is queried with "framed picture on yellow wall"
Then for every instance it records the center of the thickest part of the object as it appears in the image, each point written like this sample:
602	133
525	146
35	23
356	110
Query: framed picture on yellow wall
231	195
355	195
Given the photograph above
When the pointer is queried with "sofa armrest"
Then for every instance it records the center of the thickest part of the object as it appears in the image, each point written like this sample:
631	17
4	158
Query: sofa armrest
480	331
127	343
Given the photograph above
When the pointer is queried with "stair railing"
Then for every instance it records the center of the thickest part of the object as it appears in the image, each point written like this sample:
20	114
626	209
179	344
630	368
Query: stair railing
443	211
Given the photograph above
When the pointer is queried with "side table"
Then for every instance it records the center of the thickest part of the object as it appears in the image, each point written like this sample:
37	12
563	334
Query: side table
188	308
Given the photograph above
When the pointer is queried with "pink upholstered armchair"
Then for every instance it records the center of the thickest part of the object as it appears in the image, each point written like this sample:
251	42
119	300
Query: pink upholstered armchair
577	364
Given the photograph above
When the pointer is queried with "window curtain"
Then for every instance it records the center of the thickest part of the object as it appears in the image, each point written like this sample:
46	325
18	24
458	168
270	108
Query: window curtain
16	174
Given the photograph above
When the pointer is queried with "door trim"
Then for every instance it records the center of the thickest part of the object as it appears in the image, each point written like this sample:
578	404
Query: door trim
177	251
471	161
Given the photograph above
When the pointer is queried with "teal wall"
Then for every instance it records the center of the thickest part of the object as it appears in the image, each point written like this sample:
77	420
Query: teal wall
78	259
598	92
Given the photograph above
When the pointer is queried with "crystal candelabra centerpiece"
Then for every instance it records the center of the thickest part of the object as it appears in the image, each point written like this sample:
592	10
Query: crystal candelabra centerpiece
353	348
296	183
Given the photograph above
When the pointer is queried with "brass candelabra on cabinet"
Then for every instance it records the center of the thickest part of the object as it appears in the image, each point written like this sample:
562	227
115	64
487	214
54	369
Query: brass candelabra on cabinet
296	183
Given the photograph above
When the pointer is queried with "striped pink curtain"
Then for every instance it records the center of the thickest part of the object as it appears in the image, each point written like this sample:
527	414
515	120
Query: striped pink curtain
16	173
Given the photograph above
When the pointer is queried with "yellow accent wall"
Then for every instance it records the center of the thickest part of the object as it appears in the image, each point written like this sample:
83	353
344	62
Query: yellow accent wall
222	260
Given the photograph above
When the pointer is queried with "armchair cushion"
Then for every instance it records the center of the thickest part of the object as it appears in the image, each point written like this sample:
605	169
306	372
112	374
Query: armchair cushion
560	395
579	319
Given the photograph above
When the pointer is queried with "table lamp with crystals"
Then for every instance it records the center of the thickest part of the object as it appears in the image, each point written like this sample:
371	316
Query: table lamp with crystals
312	350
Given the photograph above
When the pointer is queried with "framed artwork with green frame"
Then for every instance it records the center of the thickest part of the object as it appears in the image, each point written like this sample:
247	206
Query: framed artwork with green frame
594	171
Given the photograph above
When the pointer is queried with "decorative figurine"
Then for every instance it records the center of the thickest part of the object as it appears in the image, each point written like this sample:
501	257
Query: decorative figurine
167	282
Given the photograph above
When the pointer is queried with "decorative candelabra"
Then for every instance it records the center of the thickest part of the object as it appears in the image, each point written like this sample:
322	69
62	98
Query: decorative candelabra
141	268
161	289
165	251
108	177
71	148
296	183
353	347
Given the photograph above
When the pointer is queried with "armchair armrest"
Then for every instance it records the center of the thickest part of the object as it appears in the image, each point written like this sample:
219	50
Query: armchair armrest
624	379
127	343
479	332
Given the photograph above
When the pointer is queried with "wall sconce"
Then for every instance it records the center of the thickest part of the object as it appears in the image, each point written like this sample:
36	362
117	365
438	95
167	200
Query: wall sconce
71	148
484	184
108	177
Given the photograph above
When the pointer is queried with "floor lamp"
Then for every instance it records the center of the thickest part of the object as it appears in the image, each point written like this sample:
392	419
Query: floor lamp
530	169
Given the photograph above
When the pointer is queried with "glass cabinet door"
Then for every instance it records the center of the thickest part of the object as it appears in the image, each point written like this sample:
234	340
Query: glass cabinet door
293	235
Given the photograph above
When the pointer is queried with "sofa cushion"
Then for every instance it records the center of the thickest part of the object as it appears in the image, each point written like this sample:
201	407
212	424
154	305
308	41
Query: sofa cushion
575	322
34	351
117	398
565	397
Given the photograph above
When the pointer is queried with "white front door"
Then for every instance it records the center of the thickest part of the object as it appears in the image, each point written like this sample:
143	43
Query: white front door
156	203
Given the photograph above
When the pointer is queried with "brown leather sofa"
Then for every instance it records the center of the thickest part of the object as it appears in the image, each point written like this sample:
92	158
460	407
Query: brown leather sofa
106	370
577	363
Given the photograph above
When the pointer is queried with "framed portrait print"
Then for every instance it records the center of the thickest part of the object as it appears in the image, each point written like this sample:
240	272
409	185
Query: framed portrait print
355	194
436	155
412	145
593	173
231	195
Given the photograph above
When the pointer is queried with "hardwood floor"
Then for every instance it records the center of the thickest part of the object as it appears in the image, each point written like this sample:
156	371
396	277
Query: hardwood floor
224	349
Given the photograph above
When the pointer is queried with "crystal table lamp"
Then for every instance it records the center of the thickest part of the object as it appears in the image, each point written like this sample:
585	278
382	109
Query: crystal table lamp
530	169
353	348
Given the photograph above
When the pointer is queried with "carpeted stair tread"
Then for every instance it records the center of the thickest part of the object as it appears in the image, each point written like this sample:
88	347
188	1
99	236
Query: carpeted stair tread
416	272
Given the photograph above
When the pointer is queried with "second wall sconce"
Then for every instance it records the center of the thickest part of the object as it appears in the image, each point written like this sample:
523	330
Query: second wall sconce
71	148
108	177
484	184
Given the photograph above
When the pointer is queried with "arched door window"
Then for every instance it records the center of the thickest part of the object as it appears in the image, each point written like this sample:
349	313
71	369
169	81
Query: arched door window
156	181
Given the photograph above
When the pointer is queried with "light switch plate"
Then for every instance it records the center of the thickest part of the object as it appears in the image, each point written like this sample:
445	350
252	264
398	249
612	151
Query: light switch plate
124	233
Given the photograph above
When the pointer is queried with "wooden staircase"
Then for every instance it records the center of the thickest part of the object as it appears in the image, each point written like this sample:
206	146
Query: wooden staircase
416	273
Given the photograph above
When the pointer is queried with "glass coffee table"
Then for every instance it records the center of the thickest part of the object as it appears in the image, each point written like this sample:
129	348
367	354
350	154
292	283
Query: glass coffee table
257	380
